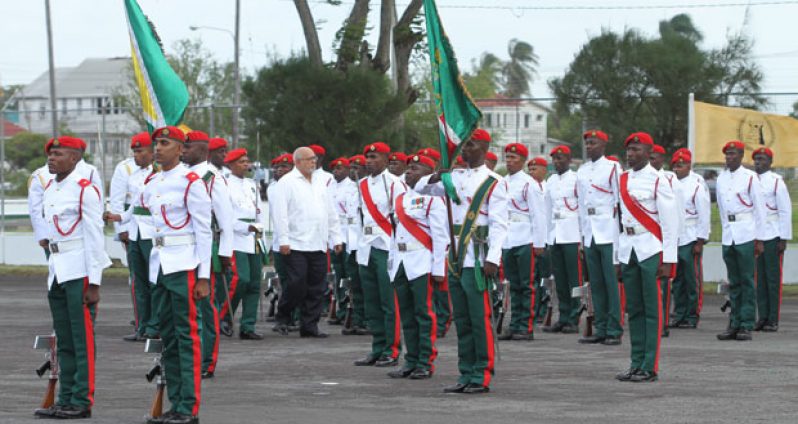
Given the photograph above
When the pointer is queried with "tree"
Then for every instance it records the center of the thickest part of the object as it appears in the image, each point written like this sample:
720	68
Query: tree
626	82
485	79
25	150
519	70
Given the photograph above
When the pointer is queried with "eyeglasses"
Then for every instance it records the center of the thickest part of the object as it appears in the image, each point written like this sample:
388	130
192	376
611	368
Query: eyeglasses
310	158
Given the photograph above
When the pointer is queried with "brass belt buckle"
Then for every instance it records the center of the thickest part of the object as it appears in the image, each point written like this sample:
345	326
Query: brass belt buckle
732	218
402	247
630	231
591	211
53	247
367	231
158	241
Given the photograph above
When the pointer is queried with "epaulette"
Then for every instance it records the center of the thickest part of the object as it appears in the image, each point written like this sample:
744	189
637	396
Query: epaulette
192	176
84	183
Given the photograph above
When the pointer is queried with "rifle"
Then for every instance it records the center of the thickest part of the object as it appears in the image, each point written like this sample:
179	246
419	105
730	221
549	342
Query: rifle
156	373
273	290
500	289
48	343
549	299
229	301
331	288
724	289
583	293
347	284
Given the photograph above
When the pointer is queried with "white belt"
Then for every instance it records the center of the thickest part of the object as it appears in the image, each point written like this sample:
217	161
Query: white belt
739	217
517	217
372	230
635	230
66	246
773	217
565	215
180	240
409	246
598	211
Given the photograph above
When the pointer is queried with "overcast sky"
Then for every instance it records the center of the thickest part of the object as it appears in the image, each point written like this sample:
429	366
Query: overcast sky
556	29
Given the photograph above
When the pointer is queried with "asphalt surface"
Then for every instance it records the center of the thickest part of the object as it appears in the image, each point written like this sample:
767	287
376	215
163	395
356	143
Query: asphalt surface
291	380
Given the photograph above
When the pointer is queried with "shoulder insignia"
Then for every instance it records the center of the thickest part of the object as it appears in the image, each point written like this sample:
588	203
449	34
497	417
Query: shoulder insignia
192	176
84	183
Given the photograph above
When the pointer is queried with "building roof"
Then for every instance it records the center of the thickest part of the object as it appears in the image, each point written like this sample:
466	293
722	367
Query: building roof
502	101
93	77
11	129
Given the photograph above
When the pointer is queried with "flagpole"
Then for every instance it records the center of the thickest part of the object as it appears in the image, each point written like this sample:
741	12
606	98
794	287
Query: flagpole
452	244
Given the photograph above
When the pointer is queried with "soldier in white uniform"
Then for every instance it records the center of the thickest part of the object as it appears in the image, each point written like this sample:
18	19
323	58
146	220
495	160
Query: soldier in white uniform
597	192
692	194
397	164
776	234
480	223
742	215
281	165
417	257
647	250
72	210
343	192
526	239
564	239
354	227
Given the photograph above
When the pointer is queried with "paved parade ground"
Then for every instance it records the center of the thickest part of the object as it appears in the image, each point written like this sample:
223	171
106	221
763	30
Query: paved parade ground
291	380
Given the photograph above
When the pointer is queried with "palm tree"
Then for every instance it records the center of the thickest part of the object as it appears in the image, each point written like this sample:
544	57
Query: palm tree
520	69
485	78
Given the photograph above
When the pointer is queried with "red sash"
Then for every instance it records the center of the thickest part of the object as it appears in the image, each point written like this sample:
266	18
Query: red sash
379	218
640	215
411	224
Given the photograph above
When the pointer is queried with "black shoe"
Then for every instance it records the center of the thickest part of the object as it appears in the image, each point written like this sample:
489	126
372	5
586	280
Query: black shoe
281	328
348	331
524	337
386	361
591	340
293	328
730	334
47	412
505	336
666	333
336	321
457	388
627	375
368	361
556	328
401	373
362	331
569	329
70	412
315	335
226	328
771	327
207	375
475	389
133	322
135	337
181	419
611	341
151	337
644	377
250	335
688	325
420	374
677	324
760	325
743	335
161	419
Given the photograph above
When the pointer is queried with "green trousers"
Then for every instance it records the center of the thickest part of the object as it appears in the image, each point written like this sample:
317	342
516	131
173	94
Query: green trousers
210	327
181	319
519	267
685	286
442	305
542	270
145	307
604	289
338	262
475	336
382	314
418	319
644	306
353	272
665	287
740	266
246	290
769	281
567	268
73	323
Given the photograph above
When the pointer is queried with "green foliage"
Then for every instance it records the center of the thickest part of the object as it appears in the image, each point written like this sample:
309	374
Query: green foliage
511	78
293	103
25	151
624	82
485	79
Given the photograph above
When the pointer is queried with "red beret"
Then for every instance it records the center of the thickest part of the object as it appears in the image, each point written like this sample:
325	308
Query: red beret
601	135
377	147
82	144
142	139
560	149
459	160
169	133
491	156
658	149
340	162
357	160
681	155
424	160
235	155
217	143
197	136
284	158
398	156
639	137
65	142
612	158
517	148
430	153
318	150
762	150
737	144
480	135
539	161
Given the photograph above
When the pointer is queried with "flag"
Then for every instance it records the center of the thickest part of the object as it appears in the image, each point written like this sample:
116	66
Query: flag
164	96
458	116
715	125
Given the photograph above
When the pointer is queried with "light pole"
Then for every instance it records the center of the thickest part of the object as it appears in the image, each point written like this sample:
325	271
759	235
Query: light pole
236	68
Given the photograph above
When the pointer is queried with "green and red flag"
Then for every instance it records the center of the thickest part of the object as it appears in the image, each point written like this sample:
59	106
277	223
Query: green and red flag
164	96
458	116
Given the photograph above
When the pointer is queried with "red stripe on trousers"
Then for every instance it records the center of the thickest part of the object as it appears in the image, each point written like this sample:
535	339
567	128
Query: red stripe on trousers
579	263
488	373
88	328
232	290
781	284
397	328
215	354
433	333
530	325
196	343
659	319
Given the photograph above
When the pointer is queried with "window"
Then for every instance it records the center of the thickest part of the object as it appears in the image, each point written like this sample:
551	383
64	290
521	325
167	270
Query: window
539	117
542	149
42	110
504	118
103	105
80	106
526	120
64	106
488	120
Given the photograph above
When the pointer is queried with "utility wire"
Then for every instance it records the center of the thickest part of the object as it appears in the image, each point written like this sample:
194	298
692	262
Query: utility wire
598	7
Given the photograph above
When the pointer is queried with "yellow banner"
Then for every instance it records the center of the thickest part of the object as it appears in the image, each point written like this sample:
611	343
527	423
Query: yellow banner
715	125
